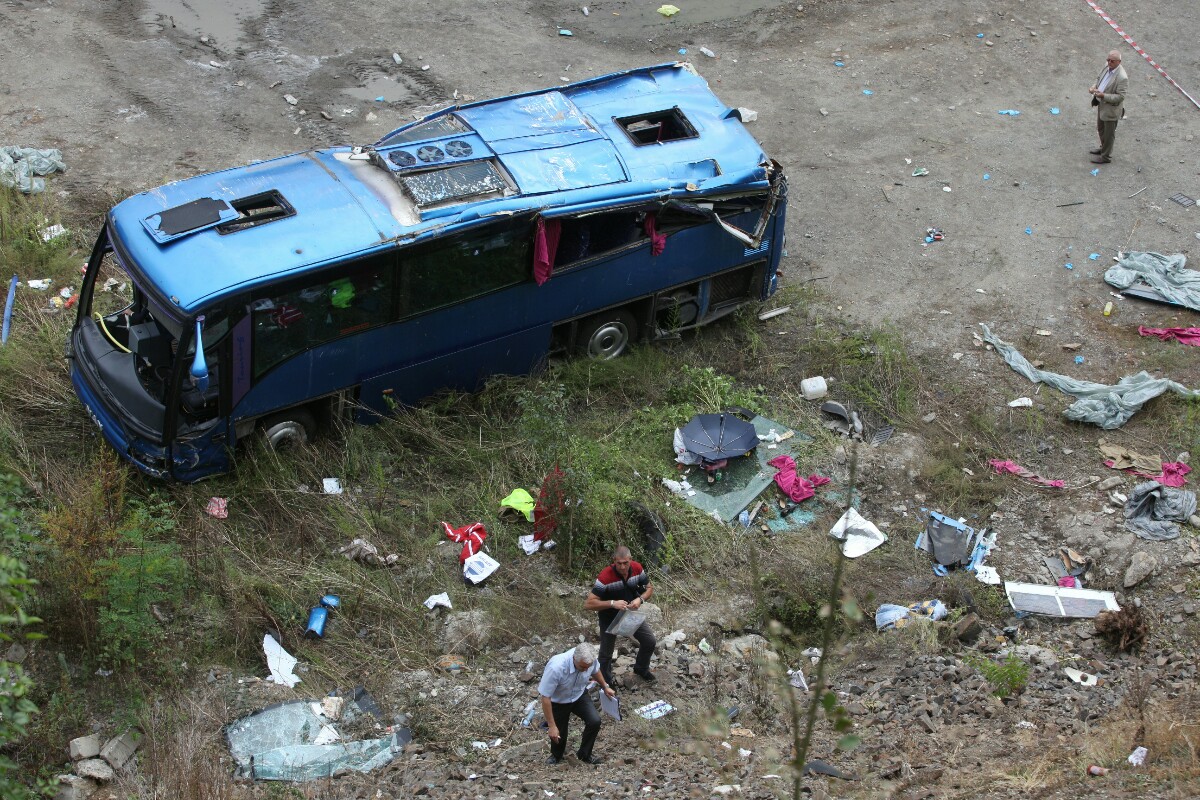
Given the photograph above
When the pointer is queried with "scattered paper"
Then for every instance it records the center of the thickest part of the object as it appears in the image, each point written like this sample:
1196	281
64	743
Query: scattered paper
611	706
655	710
529	544
859	535
435	600
478	567
1083	678
331	485
280	662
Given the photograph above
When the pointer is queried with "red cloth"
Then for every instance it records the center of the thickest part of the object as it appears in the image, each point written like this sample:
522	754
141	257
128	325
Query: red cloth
1172	474
545	248
550	504
471	535
1183	335
792	484
658	241
1014	468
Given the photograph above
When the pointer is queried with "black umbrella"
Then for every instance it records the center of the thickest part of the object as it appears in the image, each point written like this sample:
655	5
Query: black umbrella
717	436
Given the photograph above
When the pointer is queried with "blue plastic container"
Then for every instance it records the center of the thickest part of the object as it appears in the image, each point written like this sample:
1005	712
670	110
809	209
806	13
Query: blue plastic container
316	623
331	601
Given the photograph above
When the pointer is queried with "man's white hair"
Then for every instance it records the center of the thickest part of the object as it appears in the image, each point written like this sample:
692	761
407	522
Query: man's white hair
585	653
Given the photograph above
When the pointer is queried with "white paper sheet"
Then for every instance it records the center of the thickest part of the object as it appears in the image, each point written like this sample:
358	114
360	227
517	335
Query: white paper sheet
280	662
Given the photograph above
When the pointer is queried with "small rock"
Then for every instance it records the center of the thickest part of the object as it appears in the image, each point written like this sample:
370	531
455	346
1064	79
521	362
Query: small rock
1194	520
967	629
291	101
824	113
119	750
73	787
1141	566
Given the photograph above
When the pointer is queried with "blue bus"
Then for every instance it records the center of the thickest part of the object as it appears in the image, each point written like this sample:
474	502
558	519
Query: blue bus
340	282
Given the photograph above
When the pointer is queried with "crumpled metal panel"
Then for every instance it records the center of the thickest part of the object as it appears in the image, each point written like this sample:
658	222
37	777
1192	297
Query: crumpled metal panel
575	166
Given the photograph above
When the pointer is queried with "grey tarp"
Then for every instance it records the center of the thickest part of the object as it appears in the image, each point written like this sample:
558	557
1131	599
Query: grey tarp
291	742
1109	406
19	165
1165	274
1152	506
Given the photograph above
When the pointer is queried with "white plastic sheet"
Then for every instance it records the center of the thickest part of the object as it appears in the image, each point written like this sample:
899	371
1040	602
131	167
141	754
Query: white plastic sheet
859	535
1167	275
280	662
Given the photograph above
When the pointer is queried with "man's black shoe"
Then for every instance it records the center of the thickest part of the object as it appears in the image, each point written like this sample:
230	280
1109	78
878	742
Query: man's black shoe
1096	152
645	675
593	759
552	760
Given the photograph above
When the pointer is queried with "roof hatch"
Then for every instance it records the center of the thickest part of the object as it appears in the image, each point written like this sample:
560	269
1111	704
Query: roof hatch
657	127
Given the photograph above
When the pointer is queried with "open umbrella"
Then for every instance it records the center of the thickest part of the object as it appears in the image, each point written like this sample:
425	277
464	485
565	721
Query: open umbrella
714	437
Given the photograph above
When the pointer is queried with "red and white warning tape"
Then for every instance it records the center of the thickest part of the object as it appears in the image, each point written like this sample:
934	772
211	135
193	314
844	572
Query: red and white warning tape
1129	40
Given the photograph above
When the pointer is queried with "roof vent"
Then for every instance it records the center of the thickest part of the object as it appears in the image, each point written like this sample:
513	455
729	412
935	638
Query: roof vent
657	127
256	210
402	158
430	154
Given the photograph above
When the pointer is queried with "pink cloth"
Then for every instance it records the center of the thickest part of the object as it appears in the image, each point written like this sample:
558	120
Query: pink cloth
1069	582
1182	335
1172	474
658	241
792	484
545	248
471	536
1013	468
218	507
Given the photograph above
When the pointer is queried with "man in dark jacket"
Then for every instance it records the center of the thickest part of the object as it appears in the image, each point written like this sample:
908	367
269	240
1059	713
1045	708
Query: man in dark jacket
622	585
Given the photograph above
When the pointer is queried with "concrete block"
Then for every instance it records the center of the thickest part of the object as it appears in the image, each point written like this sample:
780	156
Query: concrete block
96	769
117	751
85	747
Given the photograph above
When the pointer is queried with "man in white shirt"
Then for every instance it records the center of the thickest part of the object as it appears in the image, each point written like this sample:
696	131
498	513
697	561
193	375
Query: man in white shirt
1108	96
563	691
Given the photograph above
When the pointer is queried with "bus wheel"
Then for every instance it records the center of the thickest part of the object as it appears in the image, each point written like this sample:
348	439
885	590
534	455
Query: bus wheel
607	335
289	429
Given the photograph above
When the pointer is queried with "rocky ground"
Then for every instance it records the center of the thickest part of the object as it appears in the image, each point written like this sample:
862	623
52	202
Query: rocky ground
136	94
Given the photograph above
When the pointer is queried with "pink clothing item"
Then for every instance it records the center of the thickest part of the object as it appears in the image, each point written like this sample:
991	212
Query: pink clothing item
1013	468
1182	335
658	241
217	507
545	248
1172	474
1069	582
792	484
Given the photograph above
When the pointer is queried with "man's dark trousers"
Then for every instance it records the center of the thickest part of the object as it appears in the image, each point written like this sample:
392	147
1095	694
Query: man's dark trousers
583	708
1107	128
608	642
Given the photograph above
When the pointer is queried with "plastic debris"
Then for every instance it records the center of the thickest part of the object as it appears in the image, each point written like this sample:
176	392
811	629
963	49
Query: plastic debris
1082	678
331	486
1029	231
668	10
1096	171
1020	402
41	284
1167	275
1010	112
280	662
987	177
655	710
859	535
708	52
435	600
920	172
20	166
839	63
868	92
1068	265
1138	756
979	36
1096	769
52	232
564	32
217	507
1054	111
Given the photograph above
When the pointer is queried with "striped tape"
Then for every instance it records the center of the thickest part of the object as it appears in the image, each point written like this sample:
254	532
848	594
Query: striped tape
1129	40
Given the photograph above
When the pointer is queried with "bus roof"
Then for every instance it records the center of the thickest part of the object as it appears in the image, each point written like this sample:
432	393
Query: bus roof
620	138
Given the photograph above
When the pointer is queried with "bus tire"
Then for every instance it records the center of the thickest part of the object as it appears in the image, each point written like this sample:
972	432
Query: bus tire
608	335
289	429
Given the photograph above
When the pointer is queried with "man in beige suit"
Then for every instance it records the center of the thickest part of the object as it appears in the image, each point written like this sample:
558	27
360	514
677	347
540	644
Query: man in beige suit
1108	96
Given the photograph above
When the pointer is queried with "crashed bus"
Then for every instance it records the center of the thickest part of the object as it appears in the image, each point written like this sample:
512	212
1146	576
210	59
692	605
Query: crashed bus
476	241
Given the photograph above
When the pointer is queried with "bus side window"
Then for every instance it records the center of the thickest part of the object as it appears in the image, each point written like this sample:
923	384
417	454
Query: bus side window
594	235
290	322
465	265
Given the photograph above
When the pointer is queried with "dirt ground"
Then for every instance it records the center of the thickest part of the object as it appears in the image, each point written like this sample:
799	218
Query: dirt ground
140	93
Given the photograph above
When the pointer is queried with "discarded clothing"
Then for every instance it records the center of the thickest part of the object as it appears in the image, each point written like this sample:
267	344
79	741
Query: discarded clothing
545	247
19	165
1153	510
471	536
792	484
366	553
1100	404
217	507
892	616
858	534
1165	274
1013	468
1172	473
1124	458
520	501
658	241
1181	335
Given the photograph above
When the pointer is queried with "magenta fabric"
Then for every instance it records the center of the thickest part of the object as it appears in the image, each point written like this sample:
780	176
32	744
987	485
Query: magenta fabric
1183	335
1172	475
545	248
658	241
1013	468
793	485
